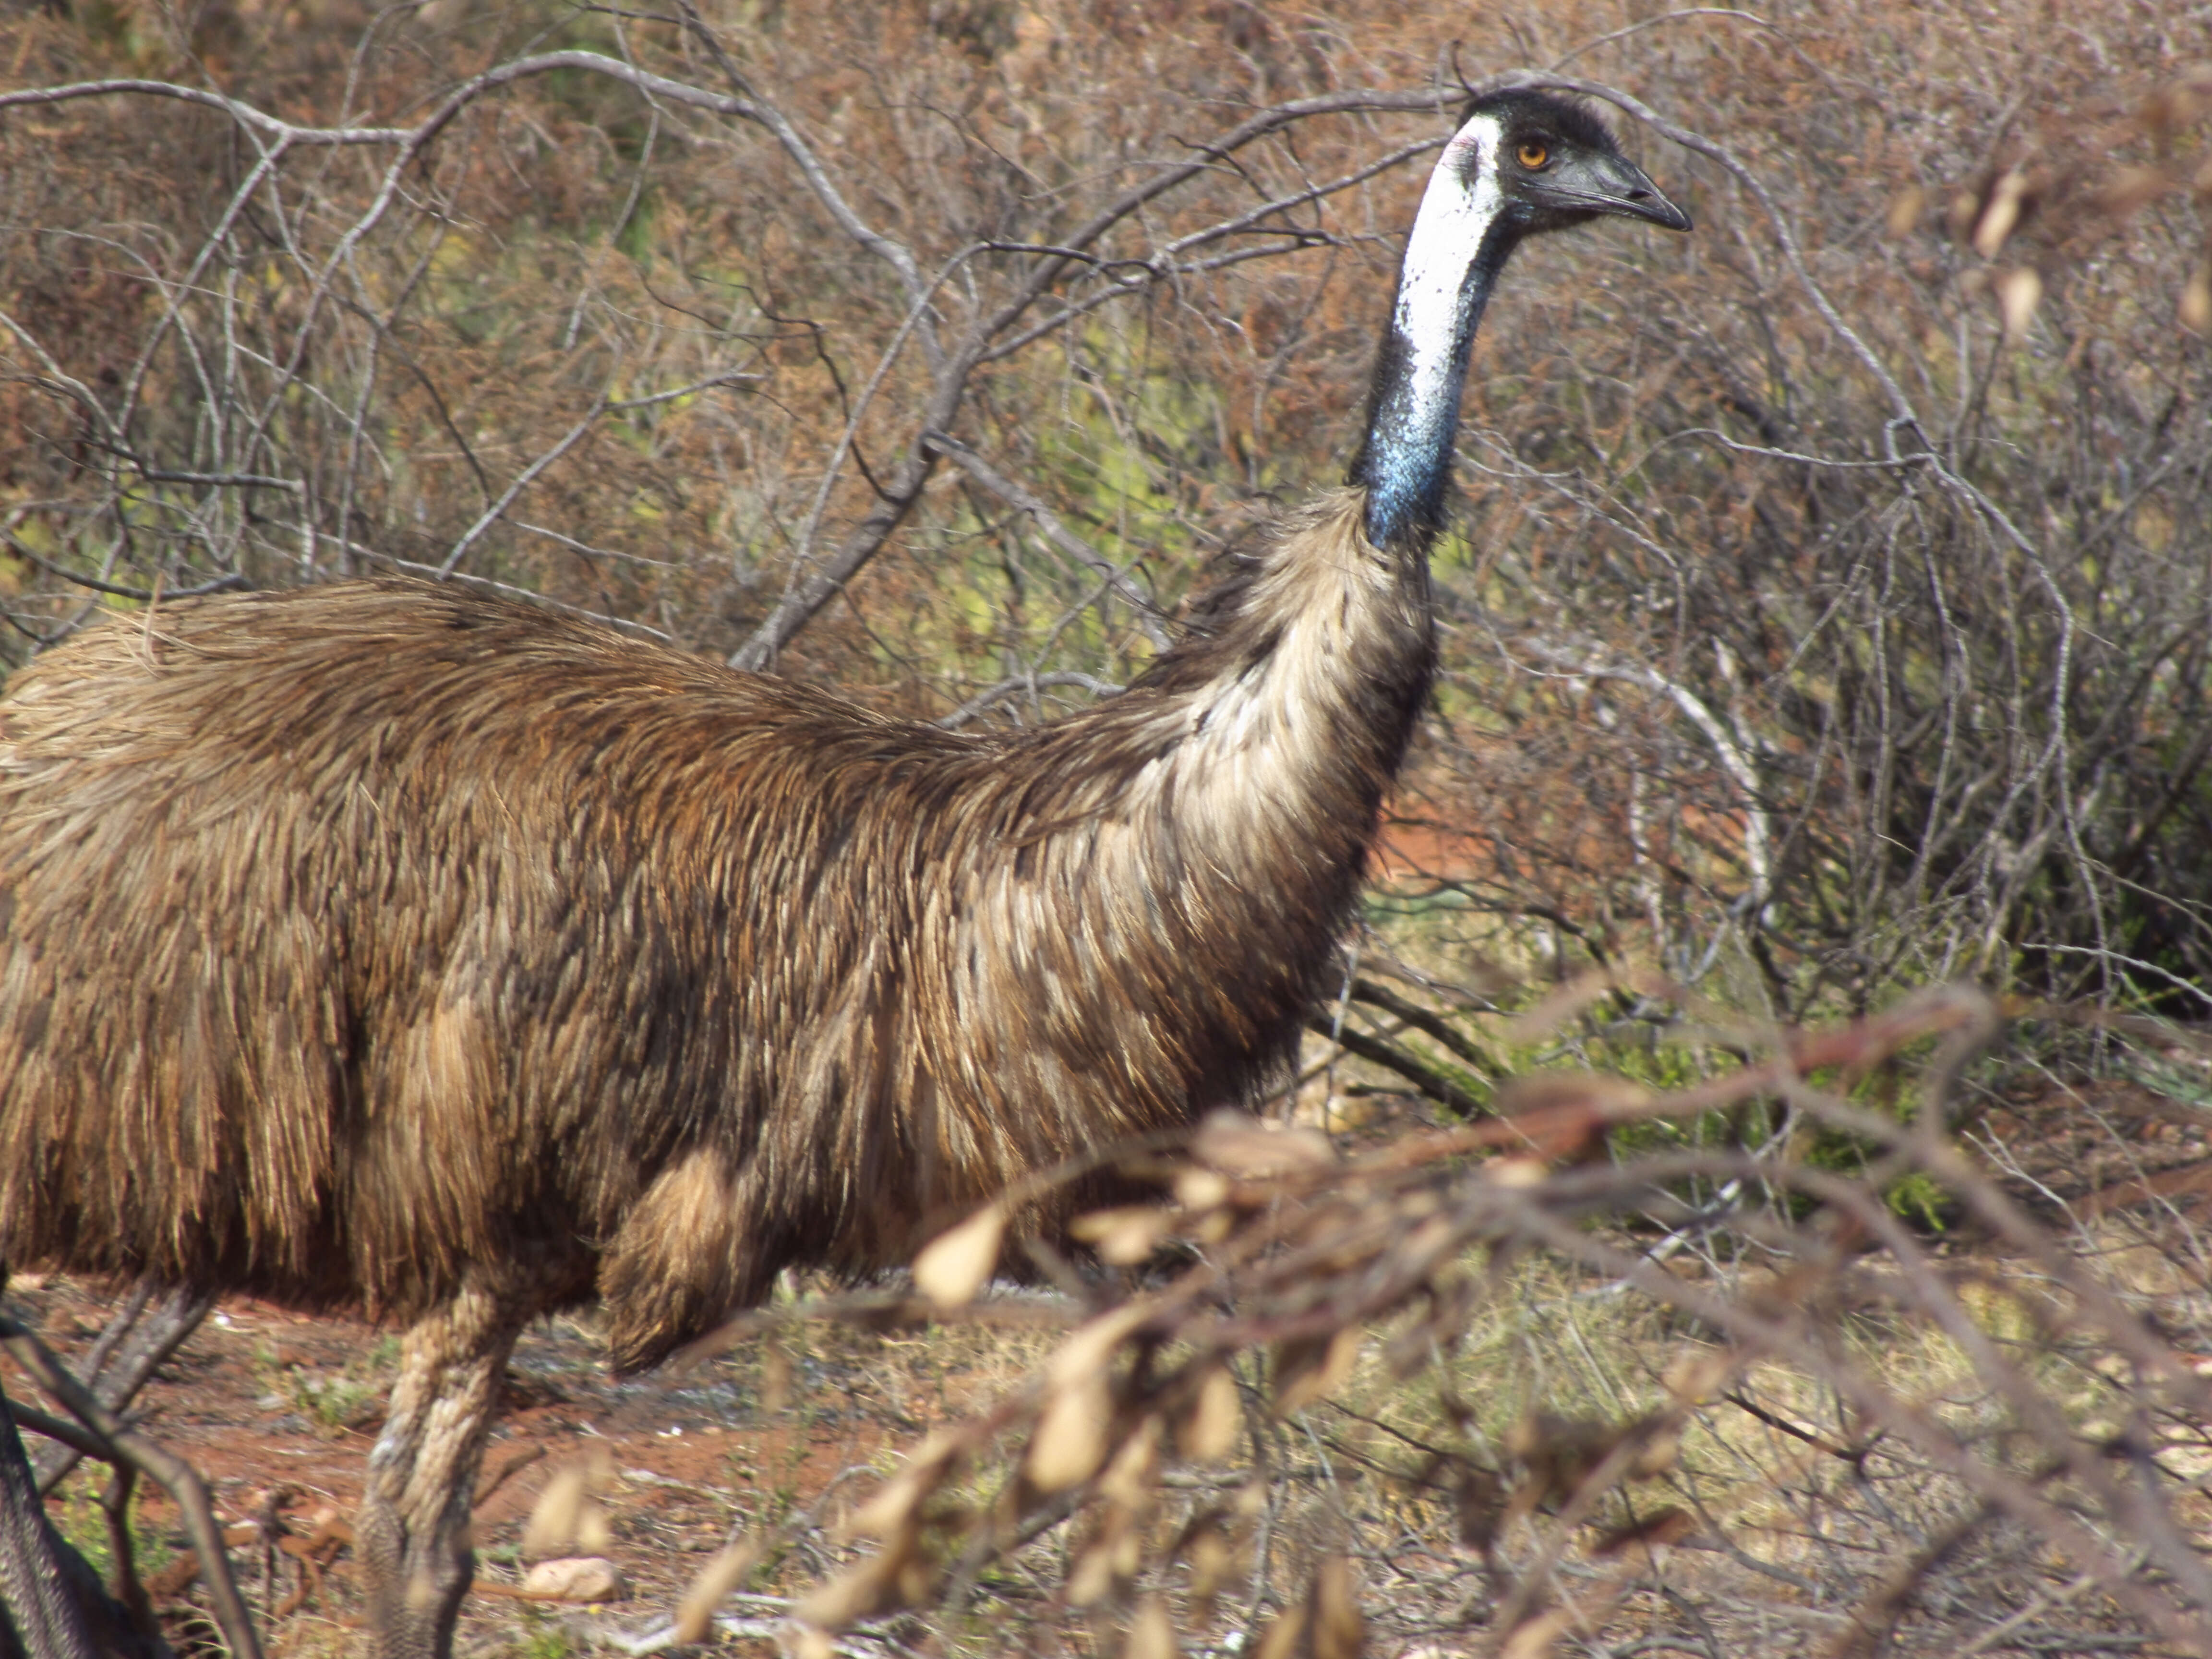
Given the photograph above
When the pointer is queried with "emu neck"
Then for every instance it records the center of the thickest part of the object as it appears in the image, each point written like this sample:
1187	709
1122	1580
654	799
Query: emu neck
1459	243
1208	830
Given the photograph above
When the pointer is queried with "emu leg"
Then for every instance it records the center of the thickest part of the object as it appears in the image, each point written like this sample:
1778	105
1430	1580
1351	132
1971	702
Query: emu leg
41	1614
412	1541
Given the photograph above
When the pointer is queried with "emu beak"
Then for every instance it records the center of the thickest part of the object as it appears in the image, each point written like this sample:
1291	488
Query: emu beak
1608	184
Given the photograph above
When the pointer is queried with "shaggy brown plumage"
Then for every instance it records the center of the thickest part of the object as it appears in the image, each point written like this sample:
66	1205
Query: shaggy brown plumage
434	930
384	942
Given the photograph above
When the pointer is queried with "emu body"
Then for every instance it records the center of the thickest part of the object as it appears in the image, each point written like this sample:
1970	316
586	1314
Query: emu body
438	931
386	944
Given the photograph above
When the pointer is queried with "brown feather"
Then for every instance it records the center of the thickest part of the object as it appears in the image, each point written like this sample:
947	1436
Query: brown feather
352	935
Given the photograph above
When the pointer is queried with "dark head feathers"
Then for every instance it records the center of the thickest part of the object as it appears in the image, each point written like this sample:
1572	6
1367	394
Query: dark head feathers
1524	109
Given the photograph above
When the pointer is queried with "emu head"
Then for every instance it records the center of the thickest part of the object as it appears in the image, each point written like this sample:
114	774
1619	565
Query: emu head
1520	163
1530	161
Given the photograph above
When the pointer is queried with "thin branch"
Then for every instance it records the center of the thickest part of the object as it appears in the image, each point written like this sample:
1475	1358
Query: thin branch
116	590
523	480
1389	1055
178	1478
983	702
1055	530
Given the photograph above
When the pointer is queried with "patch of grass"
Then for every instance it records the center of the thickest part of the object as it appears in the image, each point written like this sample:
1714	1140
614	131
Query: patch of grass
349	1400
79	1518
544	1637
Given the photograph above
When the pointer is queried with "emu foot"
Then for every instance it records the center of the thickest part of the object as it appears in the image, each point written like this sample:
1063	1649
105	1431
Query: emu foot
412	1540
415	1585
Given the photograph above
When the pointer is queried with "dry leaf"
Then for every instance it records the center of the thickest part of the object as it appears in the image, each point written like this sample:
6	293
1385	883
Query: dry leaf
1657	1455
956	1264
2168	110
1904	211
1517	1171
2196	300
1310	1368
1208	1431
1090	1346
2001	215
1667	1526
1135	1470
1212	1563
2019	292
1961	214
1280	1640
1069	1443
1556	1008
1238	1144
1152	1632
552	1522
775	1377
1124	1237
1199	1189
1697	1377
1338	1630
1534	1638
875	1585
694	1614
567	1520
889	1509
2131	189
1092	1578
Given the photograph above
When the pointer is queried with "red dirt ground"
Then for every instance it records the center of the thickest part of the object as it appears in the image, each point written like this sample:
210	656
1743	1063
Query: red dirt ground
269	1404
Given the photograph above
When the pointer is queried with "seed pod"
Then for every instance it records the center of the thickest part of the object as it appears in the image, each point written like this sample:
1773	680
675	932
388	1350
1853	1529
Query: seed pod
1089	1347
1152	1632
2000	215
2019	293
1212	1561
1091	1579
1280	1640
1338	1630
1207	1433
1123	1237
694	1614
1069	1443
1199	1190
956	1264
1240	1145
1536	1637
1904	211
1308	1369
1130	1478
567	1520
866	1588
889	1510
2196	300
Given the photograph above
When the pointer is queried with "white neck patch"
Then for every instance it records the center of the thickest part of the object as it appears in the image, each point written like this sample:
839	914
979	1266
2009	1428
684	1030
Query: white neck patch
1462	198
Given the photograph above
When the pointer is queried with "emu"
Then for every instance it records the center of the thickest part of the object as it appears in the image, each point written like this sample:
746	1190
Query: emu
384	944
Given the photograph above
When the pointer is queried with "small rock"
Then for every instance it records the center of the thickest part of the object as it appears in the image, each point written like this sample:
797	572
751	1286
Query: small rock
576	1578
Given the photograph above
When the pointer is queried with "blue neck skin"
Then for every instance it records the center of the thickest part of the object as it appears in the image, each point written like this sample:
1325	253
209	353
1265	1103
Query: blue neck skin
1405	460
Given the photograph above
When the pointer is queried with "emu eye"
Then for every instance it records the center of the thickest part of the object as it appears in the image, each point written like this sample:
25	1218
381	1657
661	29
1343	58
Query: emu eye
1533	154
